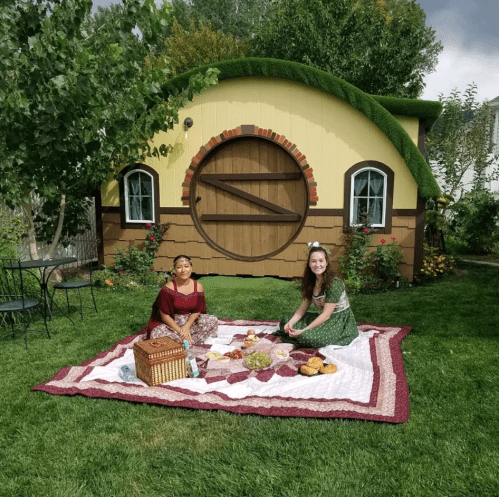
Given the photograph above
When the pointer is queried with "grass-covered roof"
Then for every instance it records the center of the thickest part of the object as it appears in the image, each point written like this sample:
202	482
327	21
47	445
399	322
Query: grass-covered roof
380	110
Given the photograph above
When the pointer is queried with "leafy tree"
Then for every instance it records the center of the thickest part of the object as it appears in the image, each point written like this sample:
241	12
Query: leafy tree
196	46
154	30
240	18
382	47
460	154
77	102
460	144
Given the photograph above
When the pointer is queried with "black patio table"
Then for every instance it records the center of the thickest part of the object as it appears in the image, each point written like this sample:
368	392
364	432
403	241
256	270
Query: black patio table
43	275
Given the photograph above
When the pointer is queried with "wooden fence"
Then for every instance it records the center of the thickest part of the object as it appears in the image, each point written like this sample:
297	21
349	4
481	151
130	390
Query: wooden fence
83	247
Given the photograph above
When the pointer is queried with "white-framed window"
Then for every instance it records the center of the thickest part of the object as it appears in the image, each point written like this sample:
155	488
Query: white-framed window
139	196
368	194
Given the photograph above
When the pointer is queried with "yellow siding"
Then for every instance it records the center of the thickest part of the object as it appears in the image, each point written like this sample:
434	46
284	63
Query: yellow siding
110	193
332	134
411	125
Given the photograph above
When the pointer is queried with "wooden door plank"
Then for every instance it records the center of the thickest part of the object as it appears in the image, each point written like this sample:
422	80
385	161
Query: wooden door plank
248	196
252	218
261	176
264	192
272	166
243	157
282	199
225	235
240	206
256	245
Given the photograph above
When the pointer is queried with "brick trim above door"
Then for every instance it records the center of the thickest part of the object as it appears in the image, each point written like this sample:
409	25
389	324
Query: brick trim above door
250	130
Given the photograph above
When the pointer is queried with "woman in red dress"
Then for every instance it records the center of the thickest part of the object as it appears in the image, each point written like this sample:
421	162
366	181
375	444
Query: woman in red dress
179	311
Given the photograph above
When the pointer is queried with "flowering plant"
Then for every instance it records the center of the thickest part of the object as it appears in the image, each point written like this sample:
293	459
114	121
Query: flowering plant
114	280
132	260
365	270
436	264
154	237
386	259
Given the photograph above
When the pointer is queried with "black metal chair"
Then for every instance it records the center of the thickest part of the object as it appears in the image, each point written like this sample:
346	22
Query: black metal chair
77	285
14	305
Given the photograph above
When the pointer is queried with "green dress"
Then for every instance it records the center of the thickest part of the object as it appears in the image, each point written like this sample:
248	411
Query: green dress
339	329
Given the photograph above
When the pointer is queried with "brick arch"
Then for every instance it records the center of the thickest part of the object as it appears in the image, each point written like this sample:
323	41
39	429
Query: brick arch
255	131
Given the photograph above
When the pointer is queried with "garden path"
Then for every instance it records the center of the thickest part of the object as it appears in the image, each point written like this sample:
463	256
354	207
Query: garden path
488	263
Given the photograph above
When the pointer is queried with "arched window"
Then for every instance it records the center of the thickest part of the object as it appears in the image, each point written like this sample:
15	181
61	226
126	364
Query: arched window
369	188
139	196
368	196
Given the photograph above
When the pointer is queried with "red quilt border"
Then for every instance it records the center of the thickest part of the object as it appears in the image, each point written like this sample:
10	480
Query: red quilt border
400	412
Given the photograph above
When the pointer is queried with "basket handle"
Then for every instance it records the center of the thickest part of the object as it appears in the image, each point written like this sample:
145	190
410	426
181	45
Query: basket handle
155	343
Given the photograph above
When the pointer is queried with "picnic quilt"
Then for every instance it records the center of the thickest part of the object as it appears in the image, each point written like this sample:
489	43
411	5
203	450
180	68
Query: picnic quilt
370	381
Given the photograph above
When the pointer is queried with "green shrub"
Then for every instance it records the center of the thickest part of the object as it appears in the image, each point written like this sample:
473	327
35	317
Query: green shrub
456	246
386	259
133	268
365	271
152	279
12	232
122	280
133	260
474	222
354	264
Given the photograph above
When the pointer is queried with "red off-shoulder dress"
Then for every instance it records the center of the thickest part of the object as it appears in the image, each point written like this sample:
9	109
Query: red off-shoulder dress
179	307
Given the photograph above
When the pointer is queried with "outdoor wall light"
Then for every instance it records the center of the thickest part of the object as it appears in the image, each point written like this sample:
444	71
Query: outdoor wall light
188	122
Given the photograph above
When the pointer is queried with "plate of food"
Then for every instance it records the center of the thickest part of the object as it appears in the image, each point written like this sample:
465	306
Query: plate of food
257	360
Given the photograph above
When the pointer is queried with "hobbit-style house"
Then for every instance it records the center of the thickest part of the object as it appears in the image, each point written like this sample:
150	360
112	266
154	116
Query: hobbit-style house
276	155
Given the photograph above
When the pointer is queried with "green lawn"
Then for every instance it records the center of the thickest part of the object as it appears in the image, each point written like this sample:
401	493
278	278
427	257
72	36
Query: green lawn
76	446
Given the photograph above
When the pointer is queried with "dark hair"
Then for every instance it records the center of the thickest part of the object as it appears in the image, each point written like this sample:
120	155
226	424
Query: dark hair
180	257
309	278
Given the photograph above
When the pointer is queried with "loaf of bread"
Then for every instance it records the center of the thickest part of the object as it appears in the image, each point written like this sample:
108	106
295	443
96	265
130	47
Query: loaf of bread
328	369
308	370
315	362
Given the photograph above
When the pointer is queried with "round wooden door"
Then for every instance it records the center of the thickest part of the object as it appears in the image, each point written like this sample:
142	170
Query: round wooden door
249	198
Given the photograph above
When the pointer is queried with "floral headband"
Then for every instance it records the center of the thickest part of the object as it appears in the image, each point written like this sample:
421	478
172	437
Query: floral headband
183	259
315	245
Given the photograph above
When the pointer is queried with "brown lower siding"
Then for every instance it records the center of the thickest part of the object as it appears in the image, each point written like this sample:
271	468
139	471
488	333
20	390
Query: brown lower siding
182	238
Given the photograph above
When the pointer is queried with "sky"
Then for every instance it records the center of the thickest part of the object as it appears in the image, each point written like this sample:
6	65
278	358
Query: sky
469	32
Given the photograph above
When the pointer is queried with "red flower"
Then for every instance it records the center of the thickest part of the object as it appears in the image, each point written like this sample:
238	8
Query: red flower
122	271
148	225
394	238
383	241
152	238
366	230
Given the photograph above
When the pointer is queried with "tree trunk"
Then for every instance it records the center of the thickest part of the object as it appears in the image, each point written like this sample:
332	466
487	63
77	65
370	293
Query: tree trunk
27	208
58	231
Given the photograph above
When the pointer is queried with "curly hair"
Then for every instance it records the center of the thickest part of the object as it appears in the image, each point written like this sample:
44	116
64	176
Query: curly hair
309	278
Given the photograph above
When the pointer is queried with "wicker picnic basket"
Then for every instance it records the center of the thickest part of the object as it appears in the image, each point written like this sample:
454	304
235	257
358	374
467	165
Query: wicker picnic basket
159	360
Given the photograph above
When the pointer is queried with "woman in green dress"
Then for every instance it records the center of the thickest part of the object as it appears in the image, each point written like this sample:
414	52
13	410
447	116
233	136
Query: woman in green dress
333	322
